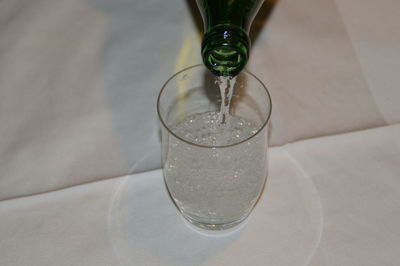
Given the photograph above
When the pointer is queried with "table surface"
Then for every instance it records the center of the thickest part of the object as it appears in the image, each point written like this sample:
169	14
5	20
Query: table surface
80	149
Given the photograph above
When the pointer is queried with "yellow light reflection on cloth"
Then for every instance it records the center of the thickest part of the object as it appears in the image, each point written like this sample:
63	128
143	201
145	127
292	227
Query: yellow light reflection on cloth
185	57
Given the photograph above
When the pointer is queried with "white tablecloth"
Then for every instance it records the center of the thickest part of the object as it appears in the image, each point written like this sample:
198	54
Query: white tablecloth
79	134
328	201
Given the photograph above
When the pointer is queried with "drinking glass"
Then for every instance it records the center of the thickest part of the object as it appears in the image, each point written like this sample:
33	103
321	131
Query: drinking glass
214	171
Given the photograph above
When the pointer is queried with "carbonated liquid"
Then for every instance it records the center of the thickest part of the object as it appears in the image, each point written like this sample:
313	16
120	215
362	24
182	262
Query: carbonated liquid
217	183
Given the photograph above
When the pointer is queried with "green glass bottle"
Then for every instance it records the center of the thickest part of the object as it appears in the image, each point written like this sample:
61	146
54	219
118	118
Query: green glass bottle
226	43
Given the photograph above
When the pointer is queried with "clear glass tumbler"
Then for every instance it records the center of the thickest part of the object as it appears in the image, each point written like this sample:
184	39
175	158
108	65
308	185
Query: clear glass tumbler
214	173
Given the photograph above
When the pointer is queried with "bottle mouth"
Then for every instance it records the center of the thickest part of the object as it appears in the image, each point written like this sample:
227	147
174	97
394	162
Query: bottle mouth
225	60
225	51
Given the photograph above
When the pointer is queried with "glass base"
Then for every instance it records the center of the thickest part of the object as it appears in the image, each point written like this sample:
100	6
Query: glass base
212	226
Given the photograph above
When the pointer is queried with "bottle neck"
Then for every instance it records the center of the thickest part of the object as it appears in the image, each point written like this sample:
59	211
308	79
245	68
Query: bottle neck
225	50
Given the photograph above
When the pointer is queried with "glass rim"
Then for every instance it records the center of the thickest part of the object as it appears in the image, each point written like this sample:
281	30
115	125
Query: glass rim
213	146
